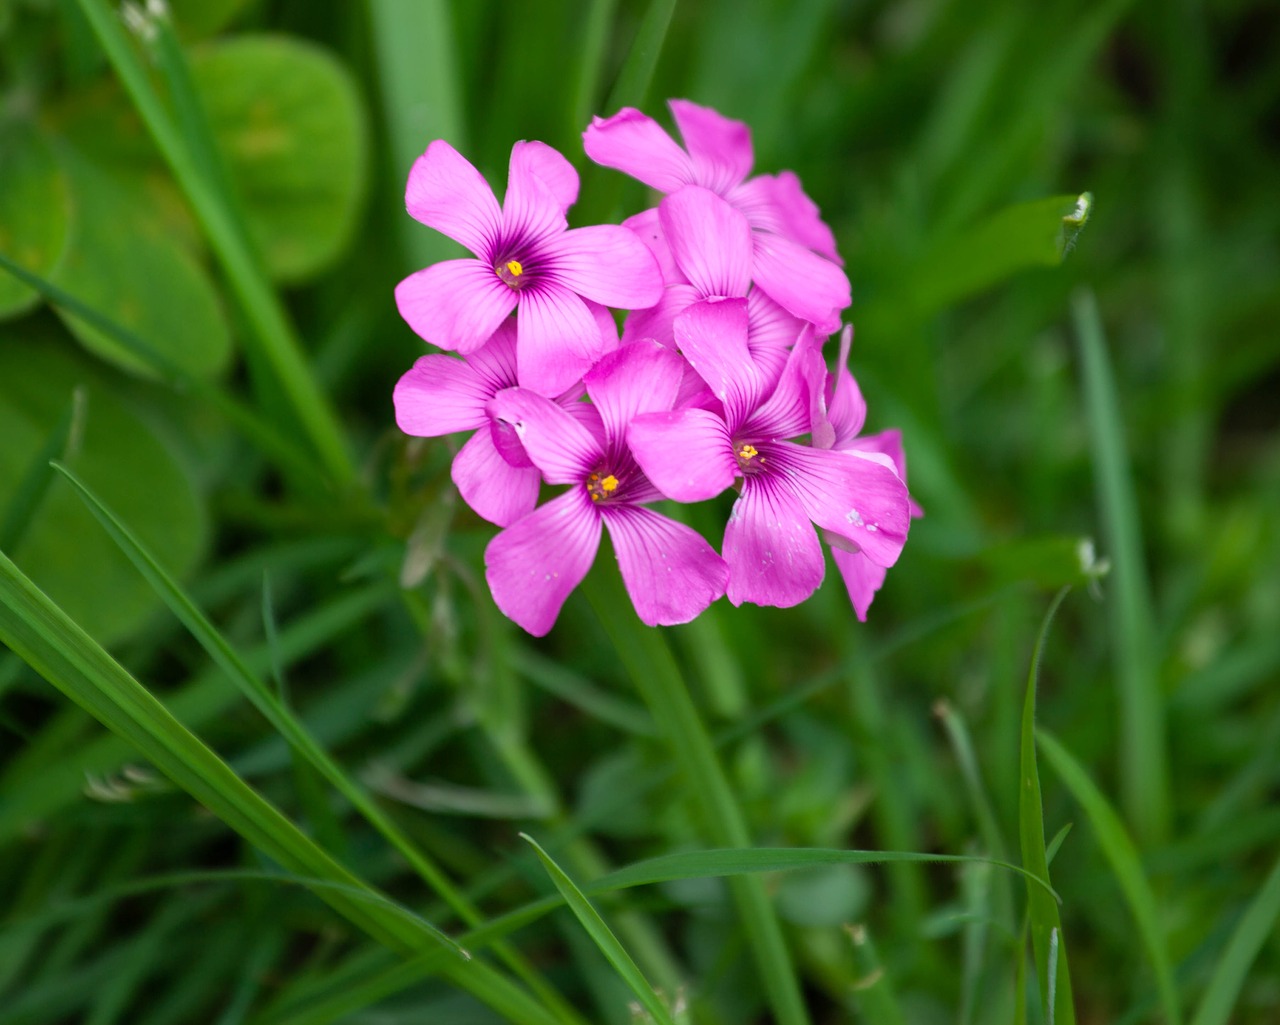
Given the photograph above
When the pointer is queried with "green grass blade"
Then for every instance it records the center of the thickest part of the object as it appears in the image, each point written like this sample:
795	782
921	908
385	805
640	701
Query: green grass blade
40	632
1144	769
603	937
1255	928
272	333
636	75
282	718
872	994
595	40
1046	925
1125	864
34	484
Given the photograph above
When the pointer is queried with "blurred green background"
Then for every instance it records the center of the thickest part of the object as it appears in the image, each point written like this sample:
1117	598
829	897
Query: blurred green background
1126	396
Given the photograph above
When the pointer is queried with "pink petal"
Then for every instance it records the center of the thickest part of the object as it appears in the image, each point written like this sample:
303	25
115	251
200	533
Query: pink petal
494	488
771	547
795	400
495	361
771	331
720	147
712	335
658	322
847	410
670	571
440	395
605	324
532	209
558	338
457	304
635	144
858	498
862	579
805	284
447	193
640	378
549	164
534	564
886	443
687	454
562	448
648	227
710	241
779	204
606	263
507	443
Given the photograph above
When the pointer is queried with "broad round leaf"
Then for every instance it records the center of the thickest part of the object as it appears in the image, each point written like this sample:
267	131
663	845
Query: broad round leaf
123	262
290	125
64	549
34	211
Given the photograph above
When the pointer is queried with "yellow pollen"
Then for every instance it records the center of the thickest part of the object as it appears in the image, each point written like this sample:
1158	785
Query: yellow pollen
609	484
748	452
595	497
513	266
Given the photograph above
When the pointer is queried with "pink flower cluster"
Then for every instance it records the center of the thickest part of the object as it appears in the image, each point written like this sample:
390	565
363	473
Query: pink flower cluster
717	379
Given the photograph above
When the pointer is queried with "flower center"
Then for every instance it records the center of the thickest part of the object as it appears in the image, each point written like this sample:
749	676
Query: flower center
512	274
750	460
601	486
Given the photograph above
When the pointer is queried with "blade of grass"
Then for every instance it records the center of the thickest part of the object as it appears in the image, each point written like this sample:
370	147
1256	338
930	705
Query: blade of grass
636	75
595	40
1046	925
1125	864
872	994
603	936
272	336
292	729
1144	769
1255	927
648	660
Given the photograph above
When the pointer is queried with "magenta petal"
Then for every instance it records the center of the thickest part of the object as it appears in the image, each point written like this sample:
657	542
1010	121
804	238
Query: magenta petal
658	322
847	410
457	304
719	146
687	454
534	564
549	164
670	571
805	284
640	378
531	210
635	144
648	228
771	331
606	263
773	552
862	579
562	448
796	399
558	339
886	443
447	193
710	241
495	489
712	335
779	204
856	497
439	395
495	361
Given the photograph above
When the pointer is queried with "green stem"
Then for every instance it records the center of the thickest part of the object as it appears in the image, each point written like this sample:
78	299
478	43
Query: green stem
276	341
648	659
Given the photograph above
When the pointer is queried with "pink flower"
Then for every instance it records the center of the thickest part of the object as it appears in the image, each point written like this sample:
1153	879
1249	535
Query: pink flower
671	573
794	256
770	544
526	259
845	415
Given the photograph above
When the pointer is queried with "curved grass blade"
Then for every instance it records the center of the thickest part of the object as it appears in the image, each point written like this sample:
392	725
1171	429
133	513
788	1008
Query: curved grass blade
872	993
637	72
1144	769
1046	925
281	717
1255	927
603	936
1125	863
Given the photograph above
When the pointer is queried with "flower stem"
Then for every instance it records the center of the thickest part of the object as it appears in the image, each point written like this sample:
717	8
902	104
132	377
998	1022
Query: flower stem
648	659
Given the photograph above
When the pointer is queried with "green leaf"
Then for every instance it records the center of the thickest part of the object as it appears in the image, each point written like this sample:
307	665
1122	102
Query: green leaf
603	937
290	127
122	458
196	19
121	261
1046	925
35	208
1125	864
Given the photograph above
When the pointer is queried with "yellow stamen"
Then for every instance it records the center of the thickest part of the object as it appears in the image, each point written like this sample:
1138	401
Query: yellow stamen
748	452
513	266
609	484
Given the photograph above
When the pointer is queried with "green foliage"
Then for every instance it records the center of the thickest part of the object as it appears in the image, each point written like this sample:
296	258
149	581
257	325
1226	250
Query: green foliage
294	788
